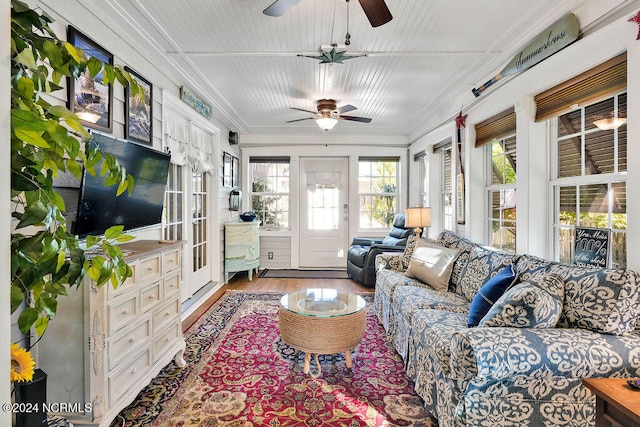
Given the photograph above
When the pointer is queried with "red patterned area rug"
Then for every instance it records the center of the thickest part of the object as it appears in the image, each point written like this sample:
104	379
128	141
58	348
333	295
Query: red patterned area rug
240	373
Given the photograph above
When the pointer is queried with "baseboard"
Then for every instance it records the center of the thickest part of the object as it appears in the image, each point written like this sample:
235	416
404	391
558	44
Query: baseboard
203	294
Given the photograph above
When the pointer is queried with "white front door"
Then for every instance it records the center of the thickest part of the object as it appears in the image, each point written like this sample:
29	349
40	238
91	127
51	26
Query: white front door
324	212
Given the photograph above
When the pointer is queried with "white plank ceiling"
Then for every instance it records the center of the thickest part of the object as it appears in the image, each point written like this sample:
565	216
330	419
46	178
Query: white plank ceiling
419	71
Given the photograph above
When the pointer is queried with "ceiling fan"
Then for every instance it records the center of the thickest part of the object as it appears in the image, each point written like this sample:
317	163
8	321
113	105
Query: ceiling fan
328	114
376	10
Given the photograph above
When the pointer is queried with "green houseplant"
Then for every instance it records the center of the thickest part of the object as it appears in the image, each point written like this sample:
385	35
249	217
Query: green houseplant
48	139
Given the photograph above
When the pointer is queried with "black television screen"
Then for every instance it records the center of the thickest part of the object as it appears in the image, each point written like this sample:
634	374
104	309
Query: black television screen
99	208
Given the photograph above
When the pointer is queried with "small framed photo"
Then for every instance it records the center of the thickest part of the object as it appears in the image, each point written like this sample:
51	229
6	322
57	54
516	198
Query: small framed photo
90	98
138	124
227	160
235	172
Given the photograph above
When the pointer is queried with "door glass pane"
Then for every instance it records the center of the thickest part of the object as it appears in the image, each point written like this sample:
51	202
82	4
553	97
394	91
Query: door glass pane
199	221
322	209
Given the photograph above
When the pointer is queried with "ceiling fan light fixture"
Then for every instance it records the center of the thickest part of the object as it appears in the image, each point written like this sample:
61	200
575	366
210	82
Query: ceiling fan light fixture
610	123
326	123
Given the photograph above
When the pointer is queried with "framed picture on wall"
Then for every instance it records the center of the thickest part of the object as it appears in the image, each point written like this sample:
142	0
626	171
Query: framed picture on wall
227	178
138	115
235	171
89	97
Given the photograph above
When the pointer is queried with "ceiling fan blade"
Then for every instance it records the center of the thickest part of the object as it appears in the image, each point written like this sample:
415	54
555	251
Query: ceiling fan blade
280	7
299	120
302	109
355	119
346	109
377	12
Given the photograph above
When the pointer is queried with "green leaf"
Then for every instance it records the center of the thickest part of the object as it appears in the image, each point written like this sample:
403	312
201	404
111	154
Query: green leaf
94	65
62	111
49	305
124	238
113	232
41	325
33	215
27	120
54	53
73	52
26	319
16	297
61	259
26	58
26	87
31	137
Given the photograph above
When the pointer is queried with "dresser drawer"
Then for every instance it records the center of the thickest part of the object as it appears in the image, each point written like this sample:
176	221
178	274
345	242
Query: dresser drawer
171	285
127	341
123	311
150	296
127	286
171	261
166	314
122	379
150	269
165	340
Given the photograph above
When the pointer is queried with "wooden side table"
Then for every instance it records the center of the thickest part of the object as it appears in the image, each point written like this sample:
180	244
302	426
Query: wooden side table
617	404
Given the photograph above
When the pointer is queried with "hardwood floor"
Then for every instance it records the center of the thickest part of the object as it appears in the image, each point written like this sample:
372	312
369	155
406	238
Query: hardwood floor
241	282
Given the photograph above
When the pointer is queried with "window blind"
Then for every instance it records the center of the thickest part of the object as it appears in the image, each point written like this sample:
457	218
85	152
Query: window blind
594	85
442	145
268	159
496	127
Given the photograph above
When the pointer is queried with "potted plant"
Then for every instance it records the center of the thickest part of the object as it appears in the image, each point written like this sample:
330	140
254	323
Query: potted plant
46	140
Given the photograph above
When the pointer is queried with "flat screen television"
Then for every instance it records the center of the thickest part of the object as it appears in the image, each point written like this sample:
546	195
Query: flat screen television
98	206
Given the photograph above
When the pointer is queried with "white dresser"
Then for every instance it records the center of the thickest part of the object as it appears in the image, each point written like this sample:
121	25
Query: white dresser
241	247
105	344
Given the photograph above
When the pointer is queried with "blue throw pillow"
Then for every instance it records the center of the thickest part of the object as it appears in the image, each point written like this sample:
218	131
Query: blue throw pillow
489	294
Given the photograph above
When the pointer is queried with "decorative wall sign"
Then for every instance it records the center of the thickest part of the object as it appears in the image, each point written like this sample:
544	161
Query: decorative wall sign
555	38
138	114
89	98
195	103
592	247
460	198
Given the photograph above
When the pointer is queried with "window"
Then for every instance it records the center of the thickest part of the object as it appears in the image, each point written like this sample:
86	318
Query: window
590	185
270	191
446	188
377	192
173	221
501	188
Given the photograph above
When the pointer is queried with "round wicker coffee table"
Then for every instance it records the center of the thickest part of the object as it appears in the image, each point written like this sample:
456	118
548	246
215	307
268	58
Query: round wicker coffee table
322	321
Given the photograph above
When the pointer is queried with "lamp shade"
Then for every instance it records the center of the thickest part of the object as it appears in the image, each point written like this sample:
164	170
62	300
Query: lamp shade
417	217
610	123
326	123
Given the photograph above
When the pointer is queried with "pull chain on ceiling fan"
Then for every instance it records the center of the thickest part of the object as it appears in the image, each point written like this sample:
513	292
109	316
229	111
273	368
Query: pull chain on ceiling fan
376	10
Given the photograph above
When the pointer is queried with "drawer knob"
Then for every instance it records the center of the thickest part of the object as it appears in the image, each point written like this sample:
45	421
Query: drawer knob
149	269
166	339
133	371
132	339
167	314
125	311
151	297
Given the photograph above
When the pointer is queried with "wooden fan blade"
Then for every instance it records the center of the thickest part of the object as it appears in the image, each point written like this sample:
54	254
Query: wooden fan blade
377	12
302	109
299	120
355	119
346	109
280	7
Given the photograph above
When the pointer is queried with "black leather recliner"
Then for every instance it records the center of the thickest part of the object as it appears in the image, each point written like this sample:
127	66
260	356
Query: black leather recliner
362	253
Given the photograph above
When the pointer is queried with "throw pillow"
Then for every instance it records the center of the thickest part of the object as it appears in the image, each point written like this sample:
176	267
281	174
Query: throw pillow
536	303
408	250
432	264
489	293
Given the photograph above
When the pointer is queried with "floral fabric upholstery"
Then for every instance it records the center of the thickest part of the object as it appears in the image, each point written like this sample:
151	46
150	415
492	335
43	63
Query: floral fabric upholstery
386	283
600	300
389	261
506	376
536	303
482	265
449	239
408	299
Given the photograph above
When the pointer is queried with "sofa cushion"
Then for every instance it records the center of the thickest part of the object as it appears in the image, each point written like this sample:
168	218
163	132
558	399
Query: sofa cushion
432	264
536	303
600	300
434	330
489	293
412	241
449	239
483	264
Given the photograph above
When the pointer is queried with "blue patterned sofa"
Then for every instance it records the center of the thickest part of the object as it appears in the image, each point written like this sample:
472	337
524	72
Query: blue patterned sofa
529	375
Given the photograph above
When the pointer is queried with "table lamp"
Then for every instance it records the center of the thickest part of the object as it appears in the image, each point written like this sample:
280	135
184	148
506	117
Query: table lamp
417	217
